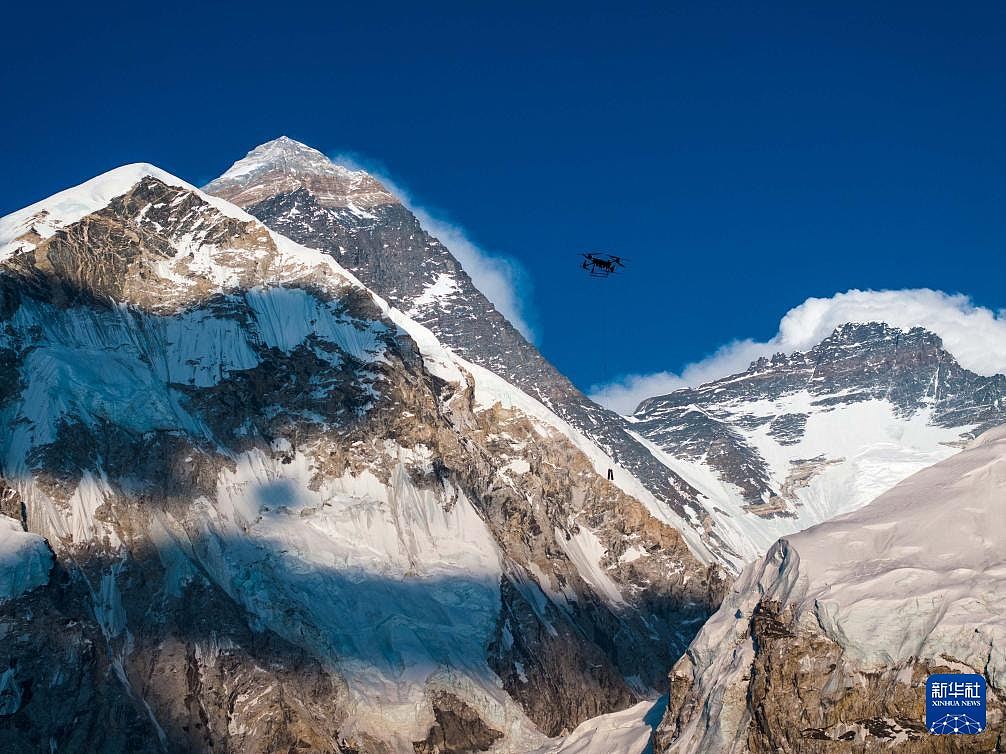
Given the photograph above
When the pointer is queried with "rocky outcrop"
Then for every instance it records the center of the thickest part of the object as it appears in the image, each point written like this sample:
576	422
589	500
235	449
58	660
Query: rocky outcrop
458	729
825	644
804	694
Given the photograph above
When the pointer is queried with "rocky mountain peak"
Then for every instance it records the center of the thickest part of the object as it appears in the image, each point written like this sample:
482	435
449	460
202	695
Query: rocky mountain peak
284	165
141	237
386	248
27	227
800	437
860	340
879	336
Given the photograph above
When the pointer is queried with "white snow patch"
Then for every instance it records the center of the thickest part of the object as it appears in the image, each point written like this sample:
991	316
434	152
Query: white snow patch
84	503
436	294
289	316
585	551
25	560
632	554
624	732
518	466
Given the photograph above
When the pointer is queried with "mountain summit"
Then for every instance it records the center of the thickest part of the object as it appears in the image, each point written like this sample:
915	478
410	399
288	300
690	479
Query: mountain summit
284	165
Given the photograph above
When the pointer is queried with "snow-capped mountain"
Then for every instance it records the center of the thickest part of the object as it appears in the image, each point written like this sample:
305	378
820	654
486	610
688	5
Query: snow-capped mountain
824	645
798	439
252	506
739	462
297	191
285	478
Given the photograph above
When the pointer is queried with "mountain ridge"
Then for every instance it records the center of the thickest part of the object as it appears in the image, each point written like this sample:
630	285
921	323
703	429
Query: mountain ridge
798	438
252	478
391	252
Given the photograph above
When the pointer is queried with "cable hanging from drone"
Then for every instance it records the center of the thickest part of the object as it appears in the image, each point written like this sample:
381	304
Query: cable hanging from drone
599	265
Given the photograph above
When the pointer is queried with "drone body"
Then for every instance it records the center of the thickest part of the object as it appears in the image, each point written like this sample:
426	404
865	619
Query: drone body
601	265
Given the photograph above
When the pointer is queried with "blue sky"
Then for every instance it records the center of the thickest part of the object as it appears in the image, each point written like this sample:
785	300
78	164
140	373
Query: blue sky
744	156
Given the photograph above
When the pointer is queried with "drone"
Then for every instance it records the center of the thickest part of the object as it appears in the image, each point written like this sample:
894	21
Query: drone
601	265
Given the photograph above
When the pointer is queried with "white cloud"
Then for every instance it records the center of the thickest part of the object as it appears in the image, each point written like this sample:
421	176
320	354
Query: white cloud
501	279
976	336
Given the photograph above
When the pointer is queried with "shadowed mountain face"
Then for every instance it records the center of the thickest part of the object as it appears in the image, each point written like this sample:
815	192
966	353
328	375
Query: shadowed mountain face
280	515
383	244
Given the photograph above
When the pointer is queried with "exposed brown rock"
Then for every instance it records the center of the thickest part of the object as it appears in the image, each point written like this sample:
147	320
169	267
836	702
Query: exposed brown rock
284	165
803	694
458	730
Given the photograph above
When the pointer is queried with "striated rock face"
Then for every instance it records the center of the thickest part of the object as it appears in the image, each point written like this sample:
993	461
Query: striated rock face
283	516
800	438
825	644
389	251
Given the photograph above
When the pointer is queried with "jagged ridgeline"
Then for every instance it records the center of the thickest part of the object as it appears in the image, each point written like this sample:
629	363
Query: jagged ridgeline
801	438
249	506
297	191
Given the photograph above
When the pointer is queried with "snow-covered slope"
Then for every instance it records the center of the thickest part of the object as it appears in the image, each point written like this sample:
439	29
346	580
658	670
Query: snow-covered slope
628	731
829	638
25	560
282	511
799	439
